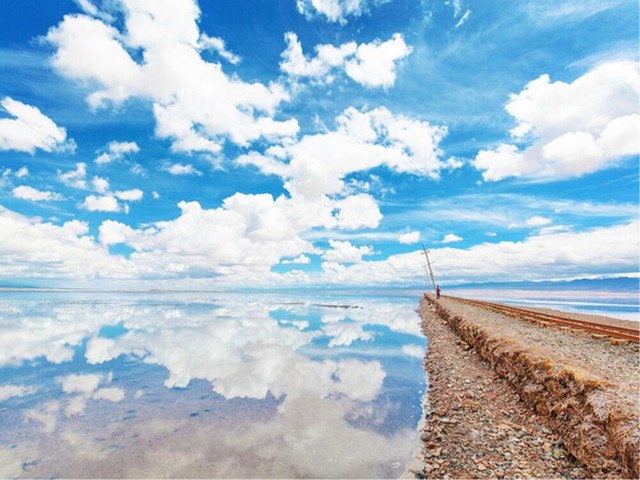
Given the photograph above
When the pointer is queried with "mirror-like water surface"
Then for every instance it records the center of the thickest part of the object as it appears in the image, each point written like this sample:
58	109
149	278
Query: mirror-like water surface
208	385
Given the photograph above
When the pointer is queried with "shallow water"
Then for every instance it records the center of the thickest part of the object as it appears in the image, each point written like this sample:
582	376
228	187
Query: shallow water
208	385
621	305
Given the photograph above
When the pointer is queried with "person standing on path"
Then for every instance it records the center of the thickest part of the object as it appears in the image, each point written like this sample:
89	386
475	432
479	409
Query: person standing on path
437	291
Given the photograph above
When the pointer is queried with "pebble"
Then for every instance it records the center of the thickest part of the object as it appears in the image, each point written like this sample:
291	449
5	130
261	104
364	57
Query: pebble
477	427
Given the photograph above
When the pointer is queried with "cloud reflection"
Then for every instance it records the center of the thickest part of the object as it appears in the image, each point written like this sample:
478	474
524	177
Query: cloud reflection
246	350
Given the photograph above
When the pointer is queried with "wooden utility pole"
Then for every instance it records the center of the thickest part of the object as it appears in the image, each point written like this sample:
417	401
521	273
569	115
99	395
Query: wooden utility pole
426	254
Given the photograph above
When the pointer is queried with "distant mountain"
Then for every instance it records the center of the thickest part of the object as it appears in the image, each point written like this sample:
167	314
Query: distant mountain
621	284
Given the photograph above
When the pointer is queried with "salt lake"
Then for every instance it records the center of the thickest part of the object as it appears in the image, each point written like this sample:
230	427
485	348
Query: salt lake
201	384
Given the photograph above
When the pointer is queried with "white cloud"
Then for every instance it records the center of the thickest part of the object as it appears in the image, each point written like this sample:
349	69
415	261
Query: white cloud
80	383
301	259
538	221
343	333
196	105
413	350
463	19
363	140
250	233
360	380
47	414
566	10
22	172
217	45
29	248
87	386
180	169
130	195
100	184
9	391
112	394
29	193
409	238
577	128
358	211
451	237
328	57
505	161
336	10
105	203
345	252
29	129
567	253
75	178
116	151
369	64
374	64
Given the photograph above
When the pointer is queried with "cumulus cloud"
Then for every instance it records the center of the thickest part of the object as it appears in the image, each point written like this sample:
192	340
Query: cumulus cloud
116	151
180	169
80	383
316	165
217	45
568	254
576	128
369	64
107	201
101	185
374	64
538	221
358	211
25	192
29	129
409	238
9	391
196	105
111	394
248	231
104	203
336	11
30	248
345	252
248	235
413	350
75	178
130	195
343	333
85	387
450	238
300	259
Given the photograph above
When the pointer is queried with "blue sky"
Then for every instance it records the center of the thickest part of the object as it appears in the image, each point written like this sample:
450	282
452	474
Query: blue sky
213	144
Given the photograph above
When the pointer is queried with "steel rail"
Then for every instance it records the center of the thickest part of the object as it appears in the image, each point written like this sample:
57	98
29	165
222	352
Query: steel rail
545	319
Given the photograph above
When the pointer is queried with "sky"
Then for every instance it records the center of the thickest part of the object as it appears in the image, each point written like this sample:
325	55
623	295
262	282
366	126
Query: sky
317	143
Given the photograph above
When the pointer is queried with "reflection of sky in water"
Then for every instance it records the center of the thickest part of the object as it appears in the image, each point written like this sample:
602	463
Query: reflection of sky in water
208	385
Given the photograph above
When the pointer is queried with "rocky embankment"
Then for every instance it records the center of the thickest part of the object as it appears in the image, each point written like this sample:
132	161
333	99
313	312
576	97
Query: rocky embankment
510	399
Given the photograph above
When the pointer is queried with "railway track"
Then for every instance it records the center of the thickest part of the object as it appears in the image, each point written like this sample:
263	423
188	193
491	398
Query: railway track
598	330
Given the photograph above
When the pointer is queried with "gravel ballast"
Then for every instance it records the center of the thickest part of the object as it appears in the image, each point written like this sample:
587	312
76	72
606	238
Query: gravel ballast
508	398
